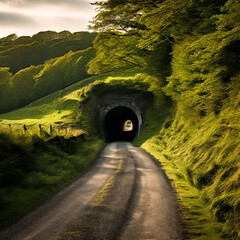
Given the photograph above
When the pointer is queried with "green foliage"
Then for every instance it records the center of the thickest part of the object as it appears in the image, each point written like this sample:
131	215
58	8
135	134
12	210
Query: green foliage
31	172
202	71
176	20
5	76
23	83
192	49
62	72
120	46
14	160
8	99
202	159
199	145
61	106
136	84
33	82
230	16
32	169
22	52
115	52
144	27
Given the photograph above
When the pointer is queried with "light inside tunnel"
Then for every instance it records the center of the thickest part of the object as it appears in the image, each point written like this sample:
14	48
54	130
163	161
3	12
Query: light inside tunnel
127	126
115	121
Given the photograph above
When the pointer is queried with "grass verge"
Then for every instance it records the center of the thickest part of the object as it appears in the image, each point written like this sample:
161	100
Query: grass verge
202	159
33	171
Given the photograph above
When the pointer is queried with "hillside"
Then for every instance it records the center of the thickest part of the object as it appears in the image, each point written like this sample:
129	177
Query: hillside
21	52
185	56
38	161
208	192
192	48
33	67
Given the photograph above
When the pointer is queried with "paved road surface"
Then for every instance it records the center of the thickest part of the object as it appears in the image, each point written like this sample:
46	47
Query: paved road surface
153	211
151	214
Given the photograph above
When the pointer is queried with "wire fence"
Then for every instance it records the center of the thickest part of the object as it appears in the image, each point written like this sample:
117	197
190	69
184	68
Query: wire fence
44	131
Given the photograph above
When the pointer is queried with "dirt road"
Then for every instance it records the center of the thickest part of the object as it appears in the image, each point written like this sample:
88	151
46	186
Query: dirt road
144	204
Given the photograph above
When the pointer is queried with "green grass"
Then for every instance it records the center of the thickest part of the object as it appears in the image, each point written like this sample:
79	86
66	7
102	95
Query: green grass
59	112
104	192
202	159
199	154
32	172
33	166
60	106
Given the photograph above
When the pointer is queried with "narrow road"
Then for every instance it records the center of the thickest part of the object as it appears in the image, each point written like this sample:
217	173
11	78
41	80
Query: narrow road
153	210
149	210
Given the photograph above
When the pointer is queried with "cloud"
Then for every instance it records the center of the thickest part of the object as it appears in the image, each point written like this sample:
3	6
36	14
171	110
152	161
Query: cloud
26	17
80	4
9	19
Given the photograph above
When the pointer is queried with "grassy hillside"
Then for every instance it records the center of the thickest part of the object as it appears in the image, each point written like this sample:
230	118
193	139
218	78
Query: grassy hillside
199	153
32	165
35	164
191	51
202	158
35	82
33	67
21	52
193	48
59	106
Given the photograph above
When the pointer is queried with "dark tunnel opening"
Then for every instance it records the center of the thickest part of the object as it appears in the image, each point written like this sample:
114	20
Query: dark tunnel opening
114	125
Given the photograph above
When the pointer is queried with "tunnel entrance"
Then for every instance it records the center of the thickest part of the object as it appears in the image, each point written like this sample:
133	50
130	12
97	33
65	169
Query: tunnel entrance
114	124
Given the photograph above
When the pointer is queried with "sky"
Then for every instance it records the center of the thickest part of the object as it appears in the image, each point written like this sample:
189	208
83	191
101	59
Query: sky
28	17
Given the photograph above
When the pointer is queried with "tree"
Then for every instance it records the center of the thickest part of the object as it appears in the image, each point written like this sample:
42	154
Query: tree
7	96
139	30
116	52
23	83
62	72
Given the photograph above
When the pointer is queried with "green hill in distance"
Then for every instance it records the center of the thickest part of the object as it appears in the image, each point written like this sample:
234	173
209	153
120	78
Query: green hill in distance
21	52
60	106
33	67
186	54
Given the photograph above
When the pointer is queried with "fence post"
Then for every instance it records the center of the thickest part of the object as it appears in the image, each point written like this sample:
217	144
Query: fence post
40	129
51	130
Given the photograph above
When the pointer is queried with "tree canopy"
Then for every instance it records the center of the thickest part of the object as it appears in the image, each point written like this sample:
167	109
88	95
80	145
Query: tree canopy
193	46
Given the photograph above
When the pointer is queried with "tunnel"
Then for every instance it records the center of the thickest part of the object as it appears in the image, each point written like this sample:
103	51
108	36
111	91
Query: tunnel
115	122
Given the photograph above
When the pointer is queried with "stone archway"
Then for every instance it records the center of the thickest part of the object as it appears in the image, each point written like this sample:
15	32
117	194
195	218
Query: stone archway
114	115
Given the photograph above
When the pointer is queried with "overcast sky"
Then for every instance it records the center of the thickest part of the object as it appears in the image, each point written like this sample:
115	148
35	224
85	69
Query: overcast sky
27	17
